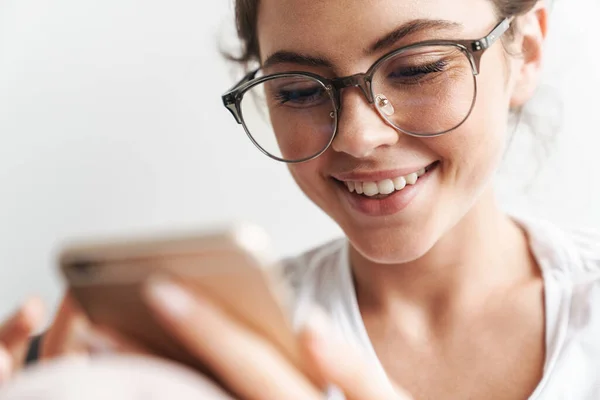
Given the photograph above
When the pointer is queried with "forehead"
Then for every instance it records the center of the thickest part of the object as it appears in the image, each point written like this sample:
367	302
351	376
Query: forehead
341	30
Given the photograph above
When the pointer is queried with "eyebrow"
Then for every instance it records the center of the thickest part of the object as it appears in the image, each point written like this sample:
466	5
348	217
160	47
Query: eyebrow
290	57
411	28
405	30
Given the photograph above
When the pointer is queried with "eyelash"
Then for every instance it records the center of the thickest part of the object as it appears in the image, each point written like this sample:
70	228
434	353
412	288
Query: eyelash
415	71
284	96
411	74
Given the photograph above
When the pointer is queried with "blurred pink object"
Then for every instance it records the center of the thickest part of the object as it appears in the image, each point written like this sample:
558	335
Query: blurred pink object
111	377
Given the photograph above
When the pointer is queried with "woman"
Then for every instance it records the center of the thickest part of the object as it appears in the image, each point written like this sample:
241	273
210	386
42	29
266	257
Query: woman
444	294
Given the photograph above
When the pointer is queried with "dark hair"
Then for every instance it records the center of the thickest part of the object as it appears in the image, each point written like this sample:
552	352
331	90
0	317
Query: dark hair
246	14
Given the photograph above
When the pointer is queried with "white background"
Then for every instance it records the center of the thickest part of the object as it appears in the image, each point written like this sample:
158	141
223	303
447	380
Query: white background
111	122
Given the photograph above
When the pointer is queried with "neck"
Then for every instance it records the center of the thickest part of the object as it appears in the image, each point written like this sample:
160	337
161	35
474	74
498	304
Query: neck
484	252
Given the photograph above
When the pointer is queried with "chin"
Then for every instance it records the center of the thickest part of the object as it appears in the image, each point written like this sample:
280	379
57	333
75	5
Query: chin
397	245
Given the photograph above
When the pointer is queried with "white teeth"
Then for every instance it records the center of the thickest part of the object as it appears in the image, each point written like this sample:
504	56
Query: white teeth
386	186
411	179
358	186
370	189
399	183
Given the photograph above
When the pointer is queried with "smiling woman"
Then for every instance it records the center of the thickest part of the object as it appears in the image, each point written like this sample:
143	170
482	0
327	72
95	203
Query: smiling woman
392	116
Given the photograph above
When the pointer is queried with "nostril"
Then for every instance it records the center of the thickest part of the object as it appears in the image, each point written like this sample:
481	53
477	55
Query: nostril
356	145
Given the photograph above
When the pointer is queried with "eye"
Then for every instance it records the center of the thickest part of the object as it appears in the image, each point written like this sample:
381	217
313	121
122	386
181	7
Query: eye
300	96
418	70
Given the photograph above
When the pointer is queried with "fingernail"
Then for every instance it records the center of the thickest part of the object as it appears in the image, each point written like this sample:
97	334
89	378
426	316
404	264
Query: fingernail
169	297
32	312
318	323
6	364
320	334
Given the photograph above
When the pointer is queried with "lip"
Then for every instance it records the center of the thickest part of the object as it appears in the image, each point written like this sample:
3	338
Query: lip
376	176
387	206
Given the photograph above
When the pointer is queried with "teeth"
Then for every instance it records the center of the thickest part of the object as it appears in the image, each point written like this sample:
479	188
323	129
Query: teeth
386	186
370	189
358	186
411	179
400	183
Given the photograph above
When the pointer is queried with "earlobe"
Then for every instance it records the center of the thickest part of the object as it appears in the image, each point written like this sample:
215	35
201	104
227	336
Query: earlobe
531	37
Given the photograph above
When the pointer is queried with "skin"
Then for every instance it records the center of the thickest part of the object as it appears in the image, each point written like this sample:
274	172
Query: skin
242	358
14	336
448	289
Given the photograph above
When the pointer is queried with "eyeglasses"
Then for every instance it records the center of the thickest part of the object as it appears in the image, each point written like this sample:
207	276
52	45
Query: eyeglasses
425	89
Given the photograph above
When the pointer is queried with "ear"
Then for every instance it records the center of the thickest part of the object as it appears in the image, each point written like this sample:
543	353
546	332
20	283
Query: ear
530	39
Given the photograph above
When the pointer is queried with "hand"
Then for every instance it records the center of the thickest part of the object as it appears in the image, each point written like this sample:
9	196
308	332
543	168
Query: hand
72	334
250	366
65	336
15	334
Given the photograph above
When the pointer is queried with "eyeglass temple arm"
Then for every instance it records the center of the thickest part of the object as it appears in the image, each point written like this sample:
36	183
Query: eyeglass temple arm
478	47
230	98
487	42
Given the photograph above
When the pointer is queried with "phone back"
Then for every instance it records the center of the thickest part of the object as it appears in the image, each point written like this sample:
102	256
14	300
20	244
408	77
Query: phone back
231	267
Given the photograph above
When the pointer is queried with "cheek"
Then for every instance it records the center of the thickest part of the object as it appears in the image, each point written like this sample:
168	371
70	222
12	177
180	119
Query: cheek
311	181
472	153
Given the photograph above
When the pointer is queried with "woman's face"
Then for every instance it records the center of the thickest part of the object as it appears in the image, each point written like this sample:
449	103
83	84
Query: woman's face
403	226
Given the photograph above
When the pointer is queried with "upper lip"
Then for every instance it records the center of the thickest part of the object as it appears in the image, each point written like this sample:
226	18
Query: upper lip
376	176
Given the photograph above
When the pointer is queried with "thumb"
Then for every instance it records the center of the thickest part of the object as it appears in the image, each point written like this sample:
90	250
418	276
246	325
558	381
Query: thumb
15	333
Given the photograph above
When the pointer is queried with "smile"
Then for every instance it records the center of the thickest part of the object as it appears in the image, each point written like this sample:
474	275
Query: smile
383	194
387	187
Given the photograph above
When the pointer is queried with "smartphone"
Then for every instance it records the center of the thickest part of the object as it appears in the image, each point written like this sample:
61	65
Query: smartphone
231	265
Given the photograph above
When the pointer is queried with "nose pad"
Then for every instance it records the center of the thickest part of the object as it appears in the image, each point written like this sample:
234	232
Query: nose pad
384	105
361	129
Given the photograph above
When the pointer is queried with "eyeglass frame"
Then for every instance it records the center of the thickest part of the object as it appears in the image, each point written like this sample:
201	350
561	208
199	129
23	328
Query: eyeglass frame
473	50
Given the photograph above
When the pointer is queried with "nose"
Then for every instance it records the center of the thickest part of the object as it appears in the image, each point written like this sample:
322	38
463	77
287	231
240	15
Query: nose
361	129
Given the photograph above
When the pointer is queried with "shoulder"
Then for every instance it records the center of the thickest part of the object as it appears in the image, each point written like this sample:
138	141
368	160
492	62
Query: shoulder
314	278
302	268
570	261
572	253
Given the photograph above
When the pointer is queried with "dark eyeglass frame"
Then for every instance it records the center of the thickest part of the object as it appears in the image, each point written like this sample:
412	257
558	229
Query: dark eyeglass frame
473	49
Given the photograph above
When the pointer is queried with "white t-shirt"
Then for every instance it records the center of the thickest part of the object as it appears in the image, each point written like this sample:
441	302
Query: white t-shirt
570	264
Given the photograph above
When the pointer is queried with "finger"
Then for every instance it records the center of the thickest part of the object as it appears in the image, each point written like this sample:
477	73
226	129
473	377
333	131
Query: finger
16	332
247	364
343	364
6	365
62	337
22	323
